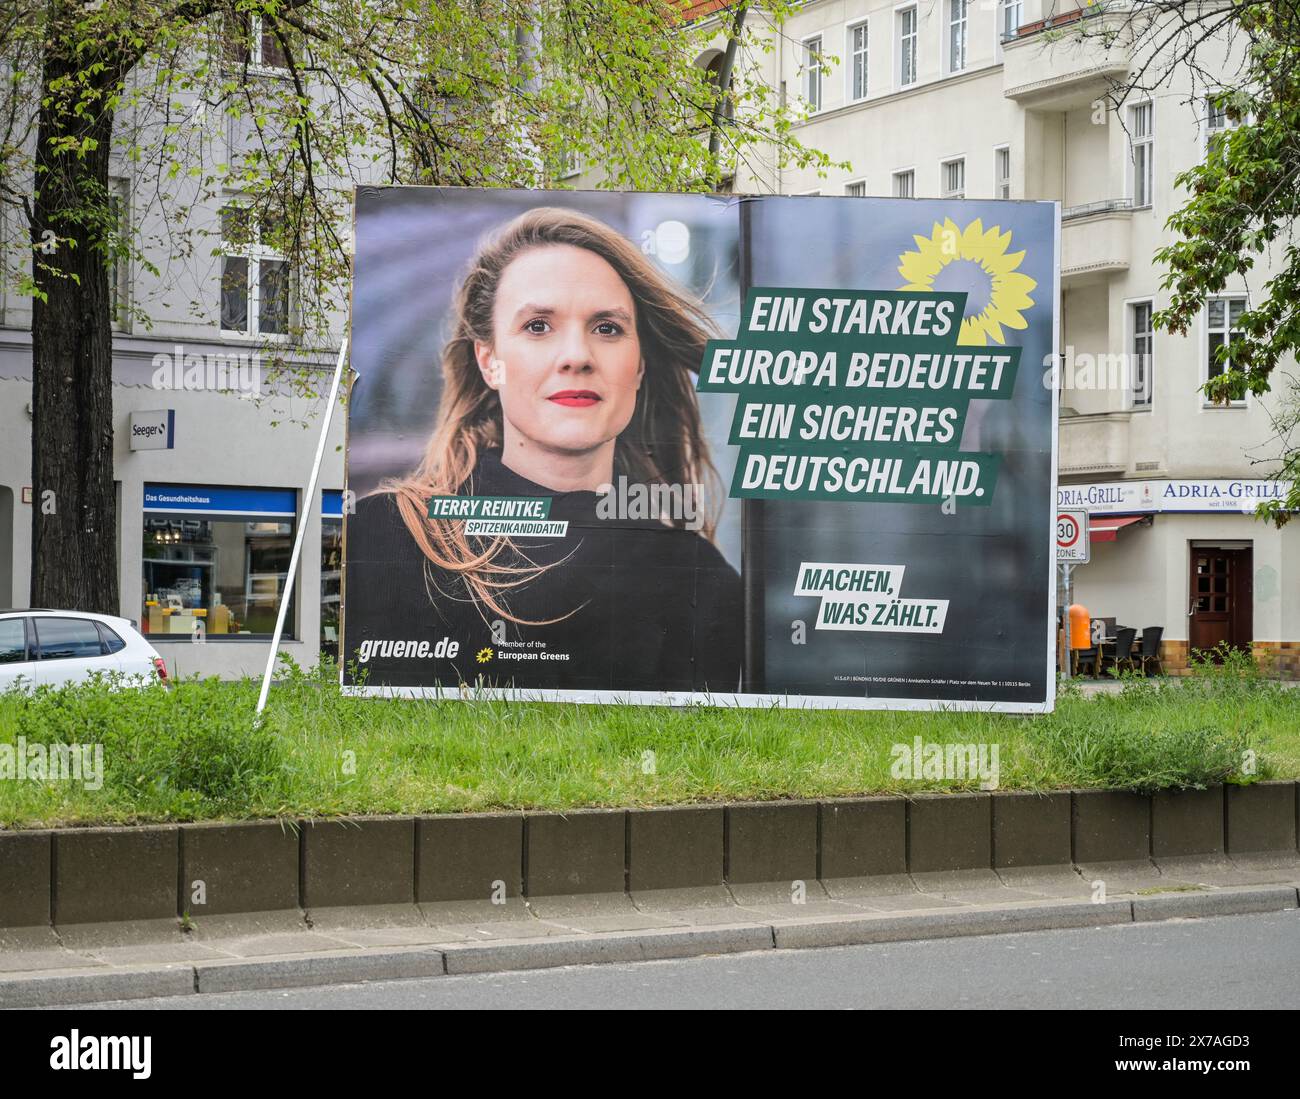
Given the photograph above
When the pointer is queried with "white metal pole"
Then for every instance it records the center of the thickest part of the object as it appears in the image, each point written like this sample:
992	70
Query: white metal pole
308	503
1069	602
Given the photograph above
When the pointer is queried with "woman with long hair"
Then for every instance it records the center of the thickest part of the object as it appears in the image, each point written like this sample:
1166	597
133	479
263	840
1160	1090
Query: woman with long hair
567	377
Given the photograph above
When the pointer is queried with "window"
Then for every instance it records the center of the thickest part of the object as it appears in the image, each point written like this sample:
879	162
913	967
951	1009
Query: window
1002	172
112	642
215	561
957	24
905	184
1223	325
331	562
1217	122
856	189
570	164
13	641
954	178
906	46
1011	15
812	72
858	62
1141	149
66	638
1140	313
250	40
254	277
120	270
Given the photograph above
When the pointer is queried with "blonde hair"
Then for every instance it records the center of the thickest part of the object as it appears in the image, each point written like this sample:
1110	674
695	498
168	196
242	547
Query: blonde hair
663	443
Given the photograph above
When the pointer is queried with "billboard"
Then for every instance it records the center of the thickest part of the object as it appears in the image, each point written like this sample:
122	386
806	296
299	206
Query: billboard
663	448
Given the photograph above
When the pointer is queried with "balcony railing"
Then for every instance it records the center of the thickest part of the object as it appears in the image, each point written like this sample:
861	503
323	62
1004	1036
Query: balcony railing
1104	206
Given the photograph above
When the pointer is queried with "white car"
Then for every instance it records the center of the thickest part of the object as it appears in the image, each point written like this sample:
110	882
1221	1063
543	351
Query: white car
57	648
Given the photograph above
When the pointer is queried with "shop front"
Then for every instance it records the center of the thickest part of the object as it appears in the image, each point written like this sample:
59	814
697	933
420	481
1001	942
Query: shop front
1190	558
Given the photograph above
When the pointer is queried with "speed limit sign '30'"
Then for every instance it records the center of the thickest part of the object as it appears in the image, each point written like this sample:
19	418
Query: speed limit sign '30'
1072	544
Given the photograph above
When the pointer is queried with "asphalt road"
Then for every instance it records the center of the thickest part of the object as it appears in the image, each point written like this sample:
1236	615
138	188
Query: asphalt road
1229	962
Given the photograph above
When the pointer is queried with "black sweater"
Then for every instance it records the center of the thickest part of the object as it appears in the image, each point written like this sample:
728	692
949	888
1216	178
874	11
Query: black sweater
654	608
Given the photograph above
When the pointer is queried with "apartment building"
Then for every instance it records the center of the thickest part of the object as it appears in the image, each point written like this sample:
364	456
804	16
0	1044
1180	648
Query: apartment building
212	457
924	98
1007	99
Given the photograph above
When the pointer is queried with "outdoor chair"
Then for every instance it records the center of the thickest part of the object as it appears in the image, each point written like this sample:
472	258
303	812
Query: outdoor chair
1151	636
1124	637
1086	656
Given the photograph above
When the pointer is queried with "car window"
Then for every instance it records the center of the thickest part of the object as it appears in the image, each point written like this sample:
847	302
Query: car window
67	638
13	641
112	643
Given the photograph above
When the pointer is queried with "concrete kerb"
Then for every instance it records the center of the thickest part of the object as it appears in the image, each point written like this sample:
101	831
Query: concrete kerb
126	885
25	861
112	875
1261	817
237	868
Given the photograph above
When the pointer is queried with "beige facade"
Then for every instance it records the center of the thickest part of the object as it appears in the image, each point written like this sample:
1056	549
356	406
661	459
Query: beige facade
1017	95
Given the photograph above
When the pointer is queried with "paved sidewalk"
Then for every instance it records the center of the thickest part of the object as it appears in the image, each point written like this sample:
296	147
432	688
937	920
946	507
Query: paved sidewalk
42	966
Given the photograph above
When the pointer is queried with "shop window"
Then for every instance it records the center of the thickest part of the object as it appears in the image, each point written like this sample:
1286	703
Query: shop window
215	561
331	575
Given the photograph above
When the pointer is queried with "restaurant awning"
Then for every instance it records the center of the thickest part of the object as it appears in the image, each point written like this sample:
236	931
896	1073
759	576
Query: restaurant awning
1105	528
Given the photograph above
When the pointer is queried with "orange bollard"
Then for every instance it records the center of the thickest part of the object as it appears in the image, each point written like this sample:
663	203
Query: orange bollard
1080	628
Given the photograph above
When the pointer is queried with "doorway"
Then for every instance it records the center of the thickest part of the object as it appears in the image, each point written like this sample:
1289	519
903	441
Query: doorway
1221	597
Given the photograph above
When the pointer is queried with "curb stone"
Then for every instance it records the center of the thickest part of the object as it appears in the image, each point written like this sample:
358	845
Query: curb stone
395	963
336	967
1226	902
88	987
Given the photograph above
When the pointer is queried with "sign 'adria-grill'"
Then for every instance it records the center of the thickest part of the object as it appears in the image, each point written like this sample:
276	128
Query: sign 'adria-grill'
656	448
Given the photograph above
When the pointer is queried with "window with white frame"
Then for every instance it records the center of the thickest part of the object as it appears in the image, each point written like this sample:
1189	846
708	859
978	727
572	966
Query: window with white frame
254	277
954	178
906	46
251	40
957	29
856	189
1142	152
858	61
905	184
1216	122
1222	328
1011	16
1141	350
1002	172
812	72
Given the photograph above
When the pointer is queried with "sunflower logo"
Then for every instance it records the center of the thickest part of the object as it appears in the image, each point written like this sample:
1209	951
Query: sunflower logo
483	656
974	261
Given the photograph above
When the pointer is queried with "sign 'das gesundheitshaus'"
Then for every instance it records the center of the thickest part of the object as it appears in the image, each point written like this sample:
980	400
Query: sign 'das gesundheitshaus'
659	448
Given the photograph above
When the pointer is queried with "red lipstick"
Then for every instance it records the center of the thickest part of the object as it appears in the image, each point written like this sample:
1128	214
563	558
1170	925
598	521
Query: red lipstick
575	398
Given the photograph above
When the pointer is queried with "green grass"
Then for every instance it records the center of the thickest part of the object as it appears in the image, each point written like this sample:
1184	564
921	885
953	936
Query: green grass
192	753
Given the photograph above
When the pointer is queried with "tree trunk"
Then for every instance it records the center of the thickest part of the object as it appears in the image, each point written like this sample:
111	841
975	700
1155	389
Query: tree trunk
74	503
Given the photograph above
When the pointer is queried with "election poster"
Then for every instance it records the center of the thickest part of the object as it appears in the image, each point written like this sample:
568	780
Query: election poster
660	448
